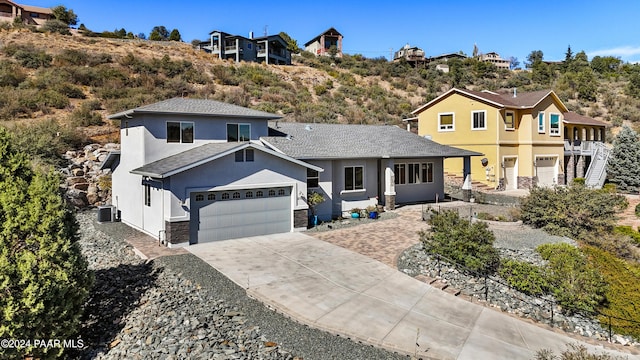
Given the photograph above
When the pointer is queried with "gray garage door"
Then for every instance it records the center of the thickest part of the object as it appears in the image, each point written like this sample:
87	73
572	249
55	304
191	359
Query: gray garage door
222	215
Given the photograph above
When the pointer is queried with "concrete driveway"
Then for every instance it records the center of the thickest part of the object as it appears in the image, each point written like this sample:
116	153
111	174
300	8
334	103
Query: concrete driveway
331	288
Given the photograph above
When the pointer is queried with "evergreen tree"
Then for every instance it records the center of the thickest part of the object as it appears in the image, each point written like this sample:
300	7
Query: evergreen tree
43	277
292	44
623	168
175	35
159	33
65	15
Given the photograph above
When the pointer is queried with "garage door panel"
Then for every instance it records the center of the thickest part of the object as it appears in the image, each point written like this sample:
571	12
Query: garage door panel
234	218
546	171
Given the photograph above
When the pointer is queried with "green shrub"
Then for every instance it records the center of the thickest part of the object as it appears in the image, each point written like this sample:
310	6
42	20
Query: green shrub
468	244
576	285
44	278
575	211
628	231
56	26
85	115
622	293
33	58
46	140
525	277
578	181
11	74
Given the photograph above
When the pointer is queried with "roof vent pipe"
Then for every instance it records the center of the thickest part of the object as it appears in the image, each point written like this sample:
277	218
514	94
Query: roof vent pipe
515	92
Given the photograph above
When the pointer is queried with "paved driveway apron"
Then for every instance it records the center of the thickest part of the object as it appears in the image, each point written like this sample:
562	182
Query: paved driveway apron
346	293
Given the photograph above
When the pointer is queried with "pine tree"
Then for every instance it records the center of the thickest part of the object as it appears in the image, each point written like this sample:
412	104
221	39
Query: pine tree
623	168
43	276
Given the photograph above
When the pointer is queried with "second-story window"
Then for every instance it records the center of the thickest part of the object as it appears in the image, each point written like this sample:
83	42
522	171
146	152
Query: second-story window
554	124
238	132
313	177
478	120
541	122
179	132
509	120
446	122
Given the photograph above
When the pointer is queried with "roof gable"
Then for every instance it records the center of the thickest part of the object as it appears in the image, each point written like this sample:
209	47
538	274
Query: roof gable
330	31
525	100
192	158
197	107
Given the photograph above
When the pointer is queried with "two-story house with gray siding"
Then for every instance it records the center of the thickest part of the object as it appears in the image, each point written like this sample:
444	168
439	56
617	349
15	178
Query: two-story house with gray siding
192	170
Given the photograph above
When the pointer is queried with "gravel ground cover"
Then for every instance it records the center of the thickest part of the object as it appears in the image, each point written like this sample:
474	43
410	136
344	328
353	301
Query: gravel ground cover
178	307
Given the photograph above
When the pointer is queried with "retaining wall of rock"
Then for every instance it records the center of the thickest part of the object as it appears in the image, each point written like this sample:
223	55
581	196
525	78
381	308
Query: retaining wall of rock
86	185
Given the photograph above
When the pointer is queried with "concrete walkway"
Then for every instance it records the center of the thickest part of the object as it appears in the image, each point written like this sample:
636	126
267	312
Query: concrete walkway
346	293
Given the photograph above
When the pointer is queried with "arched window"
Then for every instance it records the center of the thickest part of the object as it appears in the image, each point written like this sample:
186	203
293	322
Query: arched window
272	192
236	195
259	193
248	194
199	197
211	196
225	196
281	192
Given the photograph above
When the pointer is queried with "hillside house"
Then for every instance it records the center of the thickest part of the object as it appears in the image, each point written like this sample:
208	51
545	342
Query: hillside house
31	15
529	139
495	59
321	44
271	49
413	55
192	170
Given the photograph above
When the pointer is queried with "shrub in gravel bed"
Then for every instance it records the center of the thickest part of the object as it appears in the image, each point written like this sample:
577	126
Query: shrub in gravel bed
523	276
469	244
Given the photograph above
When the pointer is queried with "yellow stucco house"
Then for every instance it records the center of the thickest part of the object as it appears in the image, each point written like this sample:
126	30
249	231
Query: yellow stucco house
528	139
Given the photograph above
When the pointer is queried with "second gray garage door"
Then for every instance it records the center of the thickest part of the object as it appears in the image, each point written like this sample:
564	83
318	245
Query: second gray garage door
222	215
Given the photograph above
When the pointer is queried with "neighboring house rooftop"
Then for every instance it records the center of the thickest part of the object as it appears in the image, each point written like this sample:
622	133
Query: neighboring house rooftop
201	155
200	107
330	31
502	100
338	141
36	9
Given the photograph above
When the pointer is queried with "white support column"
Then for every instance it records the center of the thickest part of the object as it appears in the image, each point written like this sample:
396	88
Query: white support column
237	50
389	184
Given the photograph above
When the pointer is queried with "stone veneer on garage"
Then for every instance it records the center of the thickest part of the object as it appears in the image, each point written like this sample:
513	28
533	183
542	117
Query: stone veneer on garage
177	232
300	218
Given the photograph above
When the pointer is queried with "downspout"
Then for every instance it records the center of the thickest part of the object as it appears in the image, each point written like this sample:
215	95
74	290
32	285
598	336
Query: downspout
163	228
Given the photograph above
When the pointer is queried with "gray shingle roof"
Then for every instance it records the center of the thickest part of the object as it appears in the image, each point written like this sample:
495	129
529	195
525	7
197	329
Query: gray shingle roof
203	154
170	164
337	141
200	107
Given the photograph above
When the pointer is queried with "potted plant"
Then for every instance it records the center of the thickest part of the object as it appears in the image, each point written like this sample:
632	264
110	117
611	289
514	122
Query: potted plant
372	211
314	198
355	213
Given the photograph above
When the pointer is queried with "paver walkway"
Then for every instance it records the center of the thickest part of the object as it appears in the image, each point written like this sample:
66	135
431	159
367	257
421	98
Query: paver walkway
382	240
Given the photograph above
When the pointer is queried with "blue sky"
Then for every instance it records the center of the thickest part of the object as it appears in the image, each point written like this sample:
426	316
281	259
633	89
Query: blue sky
375	28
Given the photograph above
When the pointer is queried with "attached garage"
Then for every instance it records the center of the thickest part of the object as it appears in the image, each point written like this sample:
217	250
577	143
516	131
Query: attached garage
546	170
510	174
222	215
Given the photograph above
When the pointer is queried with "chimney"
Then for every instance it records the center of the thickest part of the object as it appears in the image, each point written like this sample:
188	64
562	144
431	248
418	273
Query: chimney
251	35
515	92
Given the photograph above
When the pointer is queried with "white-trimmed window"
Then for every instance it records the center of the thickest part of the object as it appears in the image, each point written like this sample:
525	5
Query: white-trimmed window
554	124
479	120
413	173
541	122
244	155
400	174
354	178
313	178
446	122
509	120
427	173
179	132
238	132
